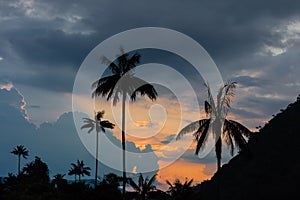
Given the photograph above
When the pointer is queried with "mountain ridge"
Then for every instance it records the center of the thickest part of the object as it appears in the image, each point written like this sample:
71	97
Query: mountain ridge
270	168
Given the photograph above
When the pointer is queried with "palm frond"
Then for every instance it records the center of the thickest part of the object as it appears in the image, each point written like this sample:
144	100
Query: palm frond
141	180
187	183
139	86
201	135
241	128
89	125
234	130
132	62
107	124
229	88
151	181
88	120
210	99
113	67
229	141
100	115
169	183
190	128
207	107
134	185
105	86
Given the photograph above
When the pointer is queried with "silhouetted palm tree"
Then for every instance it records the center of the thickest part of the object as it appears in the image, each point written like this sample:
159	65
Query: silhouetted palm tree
144	186
99	125
230	131
20	150
79	169
73	171
122	82
178	189
59	180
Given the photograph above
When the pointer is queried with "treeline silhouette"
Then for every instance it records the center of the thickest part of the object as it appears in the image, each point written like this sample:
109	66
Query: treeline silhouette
33	182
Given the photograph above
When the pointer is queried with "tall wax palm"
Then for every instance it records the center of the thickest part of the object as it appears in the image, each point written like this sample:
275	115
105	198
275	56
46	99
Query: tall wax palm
20	151
99	125
122	83
144	186
233	133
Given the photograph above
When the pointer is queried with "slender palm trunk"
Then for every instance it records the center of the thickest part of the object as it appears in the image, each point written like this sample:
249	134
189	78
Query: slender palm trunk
218	149
19	160
123	143
219	153
96	169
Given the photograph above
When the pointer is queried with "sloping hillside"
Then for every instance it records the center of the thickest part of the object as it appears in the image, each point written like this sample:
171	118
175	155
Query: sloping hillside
271	169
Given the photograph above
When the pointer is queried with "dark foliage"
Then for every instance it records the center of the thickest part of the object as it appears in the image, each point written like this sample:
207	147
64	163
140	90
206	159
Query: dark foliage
272	171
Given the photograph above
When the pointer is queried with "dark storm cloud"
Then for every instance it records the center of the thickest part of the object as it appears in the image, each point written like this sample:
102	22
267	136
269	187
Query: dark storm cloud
44	43
222	27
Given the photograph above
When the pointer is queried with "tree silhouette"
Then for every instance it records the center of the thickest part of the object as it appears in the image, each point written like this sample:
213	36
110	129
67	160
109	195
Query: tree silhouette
144	186
122	82
230	131
79	169
20	150
178	190
99	125
73	171
59	181
37	170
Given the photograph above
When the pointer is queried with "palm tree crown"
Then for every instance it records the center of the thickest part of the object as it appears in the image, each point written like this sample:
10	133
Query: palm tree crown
123	83
179	189
79	169
99	125
233	133
20	151
144	185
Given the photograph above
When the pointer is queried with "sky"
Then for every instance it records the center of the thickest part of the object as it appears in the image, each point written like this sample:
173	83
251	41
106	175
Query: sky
43	43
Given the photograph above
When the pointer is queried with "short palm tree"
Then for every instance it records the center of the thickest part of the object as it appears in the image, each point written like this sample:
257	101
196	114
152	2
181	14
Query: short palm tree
230	131
178	189
122	83
20	151
99	125
144	186
59	180
79	169
73	171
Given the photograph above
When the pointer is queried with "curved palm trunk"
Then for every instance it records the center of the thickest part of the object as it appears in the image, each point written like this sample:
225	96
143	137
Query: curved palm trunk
123	143
96	169
19	160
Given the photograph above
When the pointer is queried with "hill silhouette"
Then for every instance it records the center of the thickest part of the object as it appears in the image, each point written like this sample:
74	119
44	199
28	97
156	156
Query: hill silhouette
269	170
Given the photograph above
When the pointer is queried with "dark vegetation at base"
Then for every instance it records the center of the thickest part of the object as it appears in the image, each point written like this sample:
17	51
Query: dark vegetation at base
270	169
